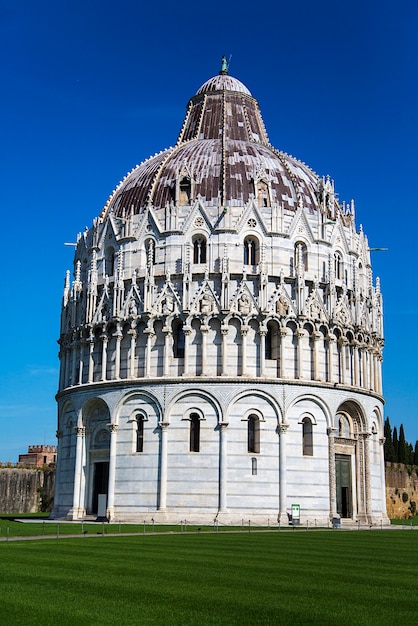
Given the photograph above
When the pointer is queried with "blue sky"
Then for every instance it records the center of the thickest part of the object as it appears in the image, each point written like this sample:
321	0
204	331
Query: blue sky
89	89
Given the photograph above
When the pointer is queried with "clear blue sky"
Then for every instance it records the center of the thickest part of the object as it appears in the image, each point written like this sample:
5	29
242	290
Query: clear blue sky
89	89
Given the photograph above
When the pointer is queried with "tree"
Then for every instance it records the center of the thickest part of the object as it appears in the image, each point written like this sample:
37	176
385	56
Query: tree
416	453
402	446
388	445
395	445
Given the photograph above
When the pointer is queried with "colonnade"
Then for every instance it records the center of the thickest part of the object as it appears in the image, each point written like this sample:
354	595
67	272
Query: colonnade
136	350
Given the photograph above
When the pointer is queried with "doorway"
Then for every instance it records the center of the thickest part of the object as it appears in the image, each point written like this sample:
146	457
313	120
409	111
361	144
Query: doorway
343	485
100	482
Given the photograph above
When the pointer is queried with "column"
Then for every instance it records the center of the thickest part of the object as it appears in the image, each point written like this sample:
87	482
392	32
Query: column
74	347
112	473
132	333
204	329
223	469
81	363
331	341
282	517
76	511
187	332
332	480
367	486
364	366
315	338
244	332
104	339
224	332
356	363
341	344
90	341
168	347
299	334
162	505
282	356
118	335
150	334
263	333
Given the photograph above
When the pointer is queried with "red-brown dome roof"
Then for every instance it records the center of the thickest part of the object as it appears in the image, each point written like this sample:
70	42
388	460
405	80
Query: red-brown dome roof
223	148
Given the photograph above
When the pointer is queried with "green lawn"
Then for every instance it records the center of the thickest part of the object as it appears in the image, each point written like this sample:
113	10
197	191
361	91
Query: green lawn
318	577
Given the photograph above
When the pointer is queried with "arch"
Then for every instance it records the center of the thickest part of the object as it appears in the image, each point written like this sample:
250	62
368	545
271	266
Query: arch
356	414
143	396
184	394
255	393
322	405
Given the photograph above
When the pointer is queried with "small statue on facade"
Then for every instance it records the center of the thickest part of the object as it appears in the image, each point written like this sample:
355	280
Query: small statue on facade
133	309
168	305
282	307
206	304
244	304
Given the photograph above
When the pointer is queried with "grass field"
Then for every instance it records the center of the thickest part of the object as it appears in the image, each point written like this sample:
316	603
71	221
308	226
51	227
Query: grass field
318	577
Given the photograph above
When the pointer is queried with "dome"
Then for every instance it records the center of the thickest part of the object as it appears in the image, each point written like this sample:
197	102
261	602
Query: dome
223	82
223	149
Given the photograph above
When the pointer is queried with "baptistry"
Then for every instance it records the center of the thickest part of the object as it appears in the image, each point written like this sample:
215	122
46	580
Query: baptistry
221	339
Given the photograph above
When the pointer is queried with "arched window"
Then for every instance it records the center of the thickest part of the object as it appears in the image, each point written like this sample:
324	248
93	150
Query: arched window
199	250
185	191
338	266
178	340
263	194
194	432
268	344
307	439
110	261
251	251
253	434
139	433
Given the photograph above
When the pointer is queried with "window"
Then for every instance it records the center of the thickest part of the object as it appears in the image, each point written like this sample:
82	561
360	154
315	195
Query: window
194	432
250	251
338	266
110	261
307	441
253	434
254	466
185	191
263	195
199	250
268	344
139	433
178	340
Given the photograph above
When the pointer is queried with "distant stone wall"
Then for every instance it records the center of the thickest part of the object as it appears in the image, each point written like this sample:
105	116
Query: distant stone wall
26	490
399	481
